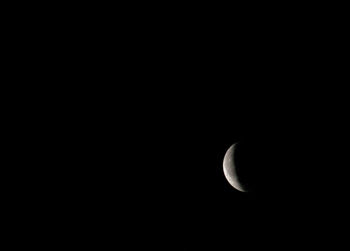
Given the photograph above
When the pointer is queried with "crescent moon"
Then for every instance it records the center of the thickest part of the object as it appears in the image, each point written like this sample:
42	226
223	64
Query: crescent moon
230	169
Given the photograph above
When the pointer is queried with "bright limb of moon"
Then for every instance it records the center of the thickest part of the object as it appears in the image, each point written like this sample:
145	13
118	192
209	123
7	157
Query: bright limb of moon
230	169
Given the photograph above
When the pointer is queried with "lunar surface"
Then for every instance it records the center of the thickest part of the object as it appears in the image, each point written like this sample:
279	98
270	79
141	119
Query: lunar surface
230	169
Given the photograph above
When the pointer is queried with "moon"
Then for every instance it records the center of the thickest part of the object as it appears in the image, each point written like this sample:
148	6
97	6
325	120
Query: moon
230	169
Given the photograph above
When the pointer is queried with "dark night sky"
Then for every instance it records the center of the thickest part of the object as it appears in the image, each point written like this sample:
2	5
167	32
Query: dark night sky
156	158
127	113
174	188
146	147
183	139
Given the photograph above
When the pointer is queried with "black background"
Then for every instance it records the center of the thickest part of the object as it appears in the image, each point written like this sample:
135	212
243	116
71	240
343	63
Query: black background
144	111
155	167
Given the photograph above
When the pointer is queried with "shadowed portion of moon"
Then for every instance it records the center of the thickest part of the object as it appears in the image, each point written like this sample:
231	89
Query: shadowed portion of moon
263	167
230	170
